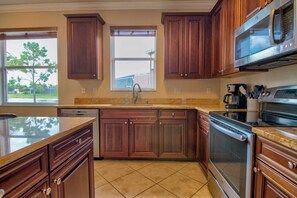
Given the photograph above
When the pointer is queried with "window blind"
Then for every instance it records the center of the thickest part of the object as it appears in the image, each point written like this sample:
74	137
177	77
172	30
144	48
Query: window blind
133	31
27	33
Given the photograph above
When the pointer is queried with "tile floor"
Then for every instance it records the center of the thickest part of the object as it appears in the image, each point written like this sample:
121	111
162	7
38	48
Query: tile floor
149	179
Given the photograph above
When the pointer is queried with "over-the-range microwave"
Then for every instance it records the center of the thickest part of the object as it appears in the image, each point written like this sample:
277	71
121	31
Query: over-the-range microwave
268	39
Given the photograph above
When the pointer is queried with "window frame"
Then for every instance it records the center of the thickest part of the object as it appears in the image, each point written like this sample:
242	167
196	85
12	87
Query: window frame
113	59
4	67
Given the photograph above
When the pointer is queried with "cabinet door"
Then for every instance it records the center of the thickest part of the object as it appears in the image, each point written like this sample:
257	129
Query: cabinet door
231	20
174	27
269	183
143	138
114	137
251	7
75	177
82	48
173	139
217	42
195	47
203	148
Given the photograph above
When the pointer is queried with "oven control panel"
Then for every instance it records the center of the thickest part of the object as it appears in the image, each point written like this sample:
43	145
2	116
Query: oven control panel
285	94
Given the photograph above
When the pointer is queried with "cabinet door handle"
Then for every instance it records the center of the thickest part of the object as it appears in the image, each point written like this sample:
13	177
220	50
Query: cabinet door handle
255	10
2	193
173	114
292	165
126	122
256	169
94	75
186	75
131	122
79	141
181	75
160	123
57	181
47	191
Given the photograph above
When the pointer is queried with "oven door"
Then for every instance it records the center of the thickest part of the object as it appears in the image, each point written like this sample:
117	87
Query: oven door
231	158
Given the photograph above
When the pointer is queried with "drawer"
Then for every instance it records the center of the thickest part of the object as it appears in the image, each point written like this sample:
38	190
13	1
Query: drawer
173	114
278	157
64	148
128	113
21	175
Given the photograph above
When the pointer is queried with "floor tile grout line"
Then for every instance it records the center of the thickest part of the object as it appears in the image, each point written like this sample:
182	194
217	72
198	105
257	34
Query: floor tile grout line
167	190
153	180
198	190
117	189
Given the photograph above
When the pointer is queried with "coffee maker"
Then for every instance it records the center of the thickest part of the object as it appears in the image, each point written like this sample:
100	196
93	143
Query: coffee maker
235	99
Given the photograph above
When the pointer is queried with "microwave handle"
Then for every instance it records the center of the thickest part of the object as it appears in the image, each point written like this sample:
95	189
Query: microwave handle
271	28
228	132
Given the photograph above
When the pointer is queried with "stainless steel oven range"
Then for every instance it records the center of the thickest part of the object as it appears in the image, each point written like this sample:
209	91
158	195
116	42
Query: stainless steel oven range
232	144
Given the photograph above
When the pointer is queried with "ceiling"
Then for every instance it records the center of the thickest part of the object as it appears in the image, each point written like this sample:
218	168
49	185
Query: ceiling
69	5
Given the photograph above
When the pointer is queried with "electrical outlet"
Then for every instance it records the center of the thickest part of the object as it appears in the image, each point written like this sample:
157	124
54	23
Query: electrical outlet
83	90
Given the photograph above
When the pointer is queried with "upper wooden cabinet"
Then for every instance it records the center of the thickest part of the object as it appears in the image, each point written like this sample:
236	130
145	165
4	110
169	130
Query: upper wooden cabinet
84	35
225	20
251	7
185	45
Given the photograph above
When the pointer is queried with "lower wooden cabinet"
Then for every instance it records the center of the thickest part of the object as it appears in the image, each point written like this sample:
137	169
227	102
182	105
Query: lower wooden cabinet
275	170
269	183
172	142
75	178
140	134
114	138
32	176
202	140
143	138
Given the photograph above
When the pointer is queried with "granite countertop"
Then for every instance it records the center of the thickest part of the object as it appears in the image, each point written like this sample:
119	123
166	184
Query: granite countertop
22	135
286	136
203	108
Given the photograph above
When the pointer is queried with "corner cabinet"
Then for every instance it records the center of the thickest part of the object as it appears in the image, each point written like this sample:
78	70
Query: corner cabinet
185	45
85	46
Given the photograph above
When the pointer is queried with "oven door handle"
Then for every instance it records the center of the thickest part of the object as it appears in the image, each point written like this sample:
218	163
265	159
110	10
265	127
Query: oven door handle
228	132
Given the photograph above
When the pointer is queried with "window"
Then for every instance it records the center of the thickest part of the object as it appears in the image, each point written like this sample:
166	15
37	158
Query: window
28	63
133	58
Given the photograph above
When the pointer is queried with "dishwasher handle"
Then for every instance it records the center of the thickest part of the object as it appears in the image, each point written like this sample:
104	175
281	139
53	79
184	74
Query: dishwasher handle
239	137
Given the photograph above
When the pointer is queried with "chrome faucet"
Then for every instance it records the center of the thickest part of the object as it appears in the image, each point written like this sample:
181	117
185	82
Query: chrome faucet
135	95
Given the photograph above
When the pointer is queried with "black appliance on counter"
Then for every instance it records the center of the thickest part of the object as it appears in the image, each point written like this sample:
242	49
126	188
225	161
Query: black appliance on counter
235	99
232	144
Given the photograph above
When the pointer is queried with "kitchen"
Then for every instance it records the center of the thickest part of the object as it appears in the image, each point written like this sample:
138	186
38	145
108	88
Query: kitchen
206	94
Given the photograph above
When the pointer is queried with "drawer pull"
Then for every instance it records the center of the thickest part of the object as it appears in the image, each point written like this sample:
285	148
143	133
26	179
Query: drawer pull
291	165
160	123
79	141
256	169
181	75
125	122
47	191
186	75
131	122
2	193
173	114
57	181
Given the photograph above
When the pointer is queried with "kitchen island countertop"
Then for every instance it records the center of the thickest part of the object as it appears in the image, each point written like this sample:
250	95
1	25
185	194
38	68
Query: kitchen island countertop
22	135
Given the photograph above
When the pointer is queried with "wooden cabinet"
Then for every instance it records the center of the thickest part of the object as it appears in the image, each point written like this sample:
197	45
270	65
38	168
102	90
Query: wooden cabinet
114	137
75	177
173	137
128	133
143	138
63	170
202	141
275	170
84	37
252	7
177	134
185	45
140	134
21	176
225	20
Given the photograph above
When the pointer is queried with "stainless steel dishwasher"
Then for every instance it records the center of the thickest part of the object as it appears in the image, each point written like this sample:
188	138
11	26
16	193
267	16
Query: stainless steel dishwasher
87	113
